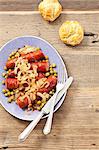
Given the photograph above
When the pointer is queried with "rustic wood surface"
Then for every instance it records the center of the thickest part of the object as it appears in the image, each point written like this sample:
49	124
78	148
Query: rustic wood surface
10	5
76	124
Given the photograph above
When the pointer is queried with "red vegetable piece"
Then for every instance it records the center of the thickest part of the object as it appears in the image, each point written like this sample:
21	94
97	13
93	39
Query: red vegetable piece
22	103
11	83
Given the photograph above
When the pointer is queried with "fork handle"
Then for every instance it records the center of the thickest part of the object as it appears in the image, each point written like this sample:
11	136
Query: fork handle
48	124
47	127
30	127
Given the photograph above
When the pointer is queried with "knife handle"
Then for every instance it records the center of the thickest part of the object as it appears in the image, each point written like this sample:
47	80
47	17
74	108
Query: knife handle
30	127
48	124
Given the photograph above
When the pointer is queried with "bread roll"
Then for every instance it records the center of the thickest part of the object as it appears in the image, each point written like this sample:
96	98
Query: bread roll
50	9
71	33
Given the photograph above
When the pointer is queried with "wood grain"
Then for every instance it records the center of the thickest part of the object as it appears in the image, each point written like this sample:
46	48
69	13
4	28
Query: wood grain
76	124
28	5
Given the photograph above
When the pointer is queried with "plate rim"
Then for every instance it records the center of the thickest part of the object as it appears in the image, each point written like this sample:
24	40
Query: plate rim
65	69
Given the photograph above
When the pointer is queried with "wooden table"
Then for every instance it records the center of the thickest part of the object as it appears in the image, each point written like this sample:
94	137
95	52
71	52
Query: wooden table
76	124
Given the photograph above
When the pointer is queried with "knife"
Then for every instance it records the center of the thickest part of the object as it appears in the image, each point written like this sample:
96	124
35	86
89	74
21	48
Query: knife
45	110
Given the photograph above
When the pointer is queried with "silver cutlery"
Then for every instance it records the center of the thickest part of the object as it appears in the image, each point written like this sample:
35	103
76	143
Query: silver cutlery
45	110
59	87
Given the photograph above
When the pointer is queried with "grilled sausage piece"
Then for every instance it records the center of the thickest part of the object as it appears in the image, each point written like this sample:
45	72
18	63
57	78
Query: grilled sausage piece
51	81
34	56
41	66
11	83
10	64
22	103
40	75
31	57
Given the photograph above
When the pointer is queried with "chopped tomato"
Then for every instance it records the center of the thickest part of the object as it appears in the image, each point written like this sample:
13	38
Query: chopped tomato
22	103
11	83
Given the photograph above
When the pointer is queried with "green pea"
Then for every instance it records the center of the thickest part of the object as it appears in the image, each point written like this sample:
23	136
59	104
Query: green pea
6	94
53	65
51	69
11	92
37	48
54	71
12	57
4	90
51	92
38	102
9	58
17	55
47	74
5	77
43	103
3	82
46	57
51	72
55	74
5	68
3	74
7	72
7	90
13	53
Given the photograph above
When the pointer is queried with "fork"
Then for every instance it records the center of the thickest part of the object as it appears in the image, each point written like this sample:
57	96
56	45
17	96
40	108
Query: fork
59	87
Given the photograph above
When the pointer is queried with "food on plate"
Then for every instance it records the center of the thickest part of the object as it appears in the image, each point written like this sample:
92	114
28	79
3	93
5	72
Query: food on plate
50	9
71	33
30	79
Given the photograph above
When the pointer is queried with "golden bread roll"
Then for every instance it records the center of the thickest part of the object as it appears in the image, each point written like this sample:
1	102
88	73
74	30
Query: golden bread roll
50	9
71	33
